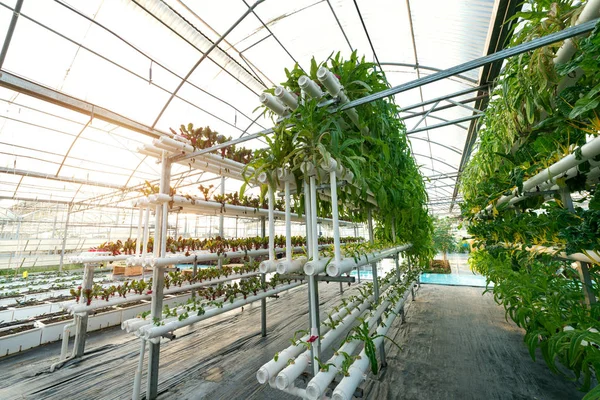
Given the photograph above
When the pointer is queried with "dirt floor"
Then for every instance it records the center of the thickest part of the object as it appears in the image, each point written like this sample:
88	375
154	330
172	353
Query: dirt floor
456	345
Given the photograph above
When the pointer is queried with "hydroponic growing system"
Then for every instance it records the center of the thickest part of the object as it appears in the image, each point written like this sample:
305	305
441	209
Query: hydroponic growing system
338	154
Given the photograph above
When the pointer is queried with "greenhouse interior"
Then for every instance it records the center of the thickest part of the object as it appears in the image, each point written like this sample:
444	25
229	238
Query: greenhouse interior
315	199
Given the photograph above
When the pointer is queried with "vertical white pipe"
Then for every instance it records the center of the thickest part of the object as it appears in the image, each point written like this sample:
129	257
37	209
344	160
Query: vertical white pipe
137	381
146	231
271	195
313	209
164	227
138	240
308	217
335	217
288	222
221	217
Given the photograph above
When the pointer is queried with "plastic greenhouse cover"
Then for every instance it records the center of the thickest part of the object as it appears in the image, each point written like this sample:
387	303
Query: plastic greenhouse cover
129	56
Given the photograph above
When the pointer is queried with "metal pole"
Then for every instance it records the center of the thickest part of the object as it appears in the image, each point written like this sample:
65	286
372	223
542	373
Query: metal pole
158	281
263	302
82	321
64	241
194	273
375	282
478	62
9	32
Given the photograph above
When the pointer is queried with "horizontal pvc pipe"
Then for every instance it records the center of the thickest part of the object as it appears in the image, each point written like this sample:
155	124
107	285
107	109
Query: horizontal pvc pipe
113	301
357	371
347	264
316	267
594	257
287	267
157	331
271	368
208	206
318	385
267	266
589	150
289	374
92	259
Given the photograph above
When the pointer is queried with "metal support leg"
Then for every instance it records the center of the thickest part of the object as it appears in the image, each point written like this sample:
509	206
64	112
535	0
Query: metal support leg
315	325
341	288
82	321
263	310
375	285
194	273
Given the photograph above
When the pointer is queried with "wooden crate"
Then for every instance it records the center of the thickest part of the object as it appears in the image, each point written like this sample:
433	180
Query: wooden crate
133	271
119	270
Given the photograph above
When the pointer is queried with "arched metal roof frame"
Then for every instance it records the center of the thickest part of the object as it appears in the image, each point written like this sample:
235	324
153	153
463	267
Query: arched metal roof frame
415	66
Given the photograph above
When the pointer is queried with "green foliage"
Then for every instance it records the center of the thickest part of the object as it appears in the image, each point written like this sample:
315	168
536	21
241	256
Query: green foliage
376	152
532	121
444	240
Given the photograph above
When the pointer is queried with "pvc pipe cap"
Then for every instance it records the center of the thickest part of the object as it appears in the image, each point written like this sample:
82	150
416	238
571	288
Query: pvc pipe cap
282	381
262	375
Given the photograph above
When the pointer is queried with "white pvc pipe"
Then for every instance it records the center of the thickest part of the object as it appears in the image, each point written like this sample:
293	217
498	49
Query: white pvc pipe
92	259
357	371
287	98
331	83
138	241
164	226
347	264
313	211
288	222
310	87
589	150
308	216
137	380
146	231
273	104
65	340
269	370
289	374
590	11
116	300
157	331
267	266
335	213
286	267
320	382
271	205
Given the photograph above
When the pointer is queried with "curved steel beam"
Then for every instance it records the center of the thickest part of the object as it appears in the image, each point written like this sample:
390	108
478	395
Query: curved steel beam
436	159
204	56
470	81
437	143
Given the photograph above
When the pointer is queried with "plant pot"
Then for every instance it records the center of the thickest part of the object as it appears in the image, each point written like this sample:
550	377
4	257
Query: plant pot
19	341
52	331
104	319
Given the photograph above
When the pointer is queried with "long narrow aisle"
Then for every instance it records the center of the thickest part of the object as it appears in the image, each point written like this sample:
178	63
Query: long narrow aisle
456	344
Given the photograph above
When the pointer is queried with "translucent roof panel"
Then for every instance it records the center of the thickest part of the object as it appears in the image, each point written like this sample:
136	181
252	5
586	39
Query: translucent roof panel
146	61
